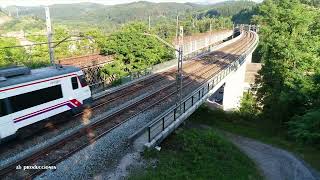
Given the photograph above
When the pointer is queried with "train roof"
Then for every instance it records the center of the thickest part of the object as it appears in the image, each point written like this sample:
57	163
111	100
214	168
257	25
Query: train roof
33	75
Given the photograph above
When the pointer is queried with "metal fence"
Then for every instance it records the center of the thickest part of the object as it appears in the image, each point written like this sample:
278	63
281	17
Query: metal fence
159	125
192	46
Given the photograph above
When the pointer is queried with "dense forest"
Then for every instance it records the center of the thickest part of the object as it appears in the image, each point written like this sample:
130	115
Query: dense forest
288	96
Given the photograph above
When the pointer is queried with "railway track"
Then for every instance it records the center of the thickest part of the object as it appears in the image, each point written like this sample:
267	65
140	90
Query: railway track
94	131
99	103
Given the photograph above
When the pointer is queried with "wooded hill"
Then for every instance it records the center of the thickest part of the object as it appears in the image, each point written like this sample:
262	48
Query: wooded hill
82	14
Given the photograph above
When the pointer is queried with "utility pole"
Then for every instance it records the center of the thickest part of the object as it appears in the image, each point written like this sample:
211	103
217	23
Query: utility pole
193	25
149	23
210	27
180	62
17	12
180	73
177	27
49	34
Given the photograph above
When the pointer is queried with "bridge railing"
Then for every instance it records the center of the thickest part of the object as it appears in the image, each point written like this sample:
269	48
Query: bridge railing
193	101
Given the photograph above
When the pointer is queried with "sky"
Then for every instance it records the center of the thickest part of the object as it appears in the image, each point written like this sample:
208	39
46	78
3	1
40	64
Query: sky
5	3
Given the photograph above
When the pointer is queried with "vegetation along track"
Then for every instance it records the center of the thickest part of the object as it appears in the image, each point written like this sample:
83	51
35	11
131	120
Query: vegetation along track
80	139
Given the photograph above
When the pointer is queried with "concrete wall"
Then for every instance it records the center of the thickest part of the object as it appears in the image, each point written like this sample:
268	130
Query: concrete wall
234	87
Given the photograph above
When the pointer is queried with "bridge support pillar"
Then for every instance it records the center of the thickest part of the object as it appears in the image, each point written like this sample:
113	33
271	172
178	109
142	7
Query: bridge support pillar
234	87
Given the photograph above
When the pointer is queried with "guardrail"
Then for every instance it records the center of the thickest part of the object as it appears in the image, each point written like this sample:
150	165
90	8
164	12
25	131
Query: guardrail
163	121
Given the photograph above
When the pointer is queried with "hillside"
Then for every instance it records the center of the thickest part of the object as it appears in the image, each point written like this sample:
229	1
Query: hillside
102	15
24	23
228	8
141	10
95	13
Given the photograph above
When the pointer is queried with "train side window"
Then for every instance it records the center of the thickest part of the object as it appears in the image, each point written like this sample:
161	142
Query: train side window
3	111
35	98
74	82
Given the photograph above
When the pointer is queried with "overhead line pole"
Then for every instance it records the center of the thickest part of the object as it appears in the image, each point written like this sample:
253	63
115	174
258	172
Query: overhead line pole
49	34
180	63
149	23
177	27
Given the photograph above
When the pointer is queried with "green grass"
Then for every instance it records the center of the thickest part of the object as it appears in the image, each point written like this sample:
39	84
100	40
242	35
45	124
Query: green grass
198	154
264	131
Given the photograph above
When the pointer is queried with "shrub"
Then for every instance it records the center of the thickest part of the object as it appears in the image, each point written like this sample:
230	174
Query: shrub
306	128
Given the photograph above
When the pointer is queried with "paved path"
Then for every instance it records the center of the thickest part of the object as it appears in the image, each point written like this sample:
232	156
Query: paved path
275	164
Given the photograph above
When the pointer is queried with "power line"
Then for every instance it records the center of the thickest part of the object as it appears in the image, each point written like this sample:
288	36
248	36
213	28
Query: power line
46	43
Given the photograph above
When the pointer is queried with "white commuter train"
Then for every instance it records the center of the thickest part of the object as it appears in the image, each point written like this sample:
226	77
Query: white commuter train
29	96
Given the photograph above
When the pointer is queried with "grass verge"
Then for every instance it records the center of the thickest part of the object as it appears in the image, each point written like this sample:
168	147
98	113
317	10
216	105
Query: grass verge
256	129
198	154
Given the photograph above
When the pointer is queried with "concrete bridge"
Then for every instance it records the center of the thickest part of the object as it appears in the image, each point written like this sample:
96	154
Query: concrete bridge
228	81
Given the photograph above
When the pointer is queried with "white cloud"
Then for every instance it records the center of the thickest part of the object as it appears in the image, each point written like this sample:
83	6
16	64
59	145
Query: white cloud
4	3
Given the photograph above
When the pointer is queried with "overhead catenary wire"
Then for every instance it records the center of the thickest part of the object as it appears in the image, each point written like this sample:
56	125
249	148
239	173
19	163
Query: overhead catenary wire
29	35
54	42
46	43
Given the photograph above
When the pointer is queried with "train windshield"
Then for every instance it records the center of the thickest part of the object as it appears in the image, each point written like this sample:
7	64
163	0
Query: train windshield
83	81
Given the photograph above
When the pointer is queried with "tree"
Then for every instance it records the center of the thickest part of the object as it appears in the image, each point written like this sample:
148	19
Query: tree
290	46
248	106
315	3
244	16
133	51
305	128
11	56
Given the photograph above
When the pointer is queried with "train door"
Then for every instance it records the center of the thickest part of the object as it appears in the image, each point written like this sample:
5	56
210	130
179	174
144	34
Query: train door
76	87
